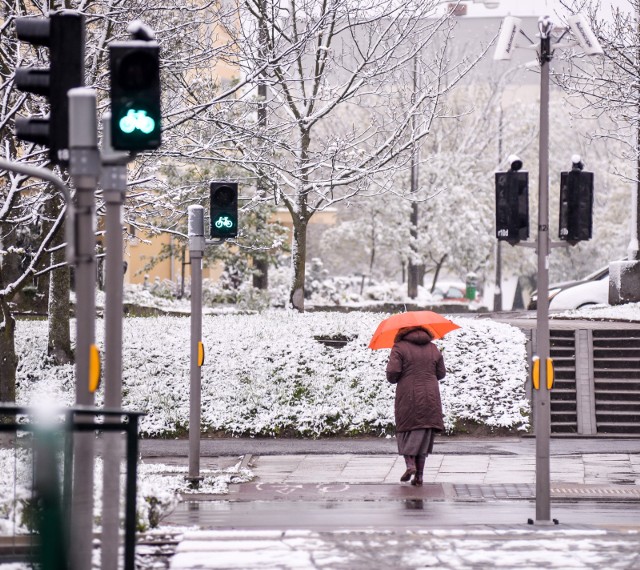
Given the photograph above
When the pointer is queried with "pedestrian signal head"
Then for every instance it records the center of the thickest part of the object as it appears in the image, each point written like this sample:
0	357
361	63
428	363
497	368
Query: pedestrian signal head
135	95
224	209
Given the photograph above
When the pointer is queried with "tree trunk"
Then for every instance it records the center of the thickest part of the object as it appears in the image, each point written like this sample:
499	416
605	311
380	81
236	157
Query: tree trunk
261	262
260	272
298	264
8	357
372	257
59	339
436	274
300	219
59	343
415	269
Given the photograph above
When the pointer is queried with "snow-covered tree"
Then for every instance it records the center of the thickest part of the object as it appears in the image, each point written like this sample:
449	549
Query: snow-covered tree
342	115
31	213
605	90
455	197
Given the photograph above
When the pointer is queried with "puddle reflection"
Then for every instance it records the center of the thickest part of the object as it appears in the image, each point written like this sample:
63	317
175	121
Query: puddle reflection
414	505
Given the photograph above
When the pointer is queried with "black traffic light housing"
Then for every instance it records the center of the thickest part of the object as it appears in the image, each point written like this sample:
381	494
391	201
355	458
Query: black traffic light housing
135	95
512	204
223	208
63	32
576	204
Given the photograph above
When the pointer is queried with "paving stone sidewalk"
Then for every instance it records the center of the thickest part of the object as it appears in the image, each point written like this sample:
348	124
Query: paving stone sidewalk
592	469
265	528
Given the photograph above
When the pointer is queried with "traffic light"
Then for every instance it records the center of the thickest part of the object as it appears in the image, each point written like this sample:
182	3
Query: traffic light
63	33
576	204
224	209
135	95
512	204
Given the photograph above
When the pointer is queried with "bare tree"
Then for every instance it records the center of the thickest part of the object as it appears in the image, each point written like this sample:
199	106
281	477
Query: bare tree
339	100
31	214
607	89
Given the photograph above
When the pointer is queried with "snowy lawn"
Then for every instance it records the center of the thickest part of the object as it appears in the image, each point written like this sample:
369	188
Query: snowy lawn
159	489
266	374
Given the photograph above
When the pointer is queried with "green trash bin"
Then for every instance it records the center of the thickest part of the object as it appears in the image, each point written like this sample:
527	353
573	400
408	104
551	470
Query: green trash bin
471	289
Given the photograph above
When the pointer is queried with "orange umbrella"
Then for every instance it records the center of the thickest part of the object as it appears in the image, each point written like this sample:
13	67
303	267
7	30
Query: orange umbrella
435	324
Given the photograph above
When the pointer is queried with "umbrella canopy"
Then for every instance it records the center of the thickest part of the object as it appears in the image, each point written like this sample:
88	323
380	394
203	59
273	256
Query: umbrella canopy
435	324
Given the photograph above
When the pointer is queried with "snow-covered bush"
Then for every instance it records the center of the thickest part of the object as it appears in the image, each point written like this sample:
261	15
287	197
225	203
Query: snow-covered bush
266	374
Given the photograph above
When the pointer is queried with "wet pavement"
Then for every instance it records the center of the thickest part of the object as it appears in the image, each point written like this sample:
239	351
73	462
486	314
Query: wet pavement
339	504
409	513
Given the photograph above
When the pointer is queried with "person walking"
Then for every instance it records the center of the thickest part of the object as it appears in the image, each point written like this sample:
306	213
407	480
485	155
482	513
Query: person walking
415	366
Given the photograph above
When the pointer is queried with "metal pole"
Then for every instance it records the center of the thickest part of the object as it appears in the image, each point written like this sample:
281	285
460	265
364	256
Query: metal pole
114	184
84	166
542	414
497	294
196	249
413	276
131	491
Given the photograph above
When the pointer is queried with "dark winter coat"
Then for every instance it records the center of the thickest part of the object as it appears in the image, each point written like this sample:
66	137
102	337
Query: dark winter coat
416	365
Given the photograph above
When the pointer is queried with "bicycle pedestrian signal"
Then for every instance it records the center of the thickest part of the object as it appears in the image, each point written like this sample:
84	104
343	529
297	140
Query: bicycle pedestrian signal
135	95
224	209
224	222
137	120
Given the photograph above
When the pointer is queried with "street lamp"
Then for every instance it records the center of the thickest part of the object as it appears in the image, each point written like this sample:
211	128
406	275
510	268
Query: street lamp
543	370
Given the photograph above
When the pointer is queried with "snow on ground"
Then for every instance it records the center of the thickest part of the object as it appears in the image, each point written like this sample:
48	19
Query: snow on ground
159	488
266	374
628	312
446	549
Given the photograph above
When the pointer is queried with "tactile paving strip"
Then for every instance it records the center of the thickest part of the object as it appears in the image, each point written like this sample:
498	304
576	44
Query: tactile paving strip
527	491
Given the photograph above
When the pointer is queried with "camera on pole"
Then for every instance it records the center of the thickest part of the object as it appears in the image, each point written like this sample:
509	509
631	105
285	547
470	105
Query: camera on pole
223	208
512	203
576	203
63	33
135	91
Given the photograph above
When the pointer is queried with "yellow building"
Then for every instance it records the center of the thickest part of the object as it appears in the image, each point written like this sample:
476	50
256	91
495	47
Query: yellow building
142	249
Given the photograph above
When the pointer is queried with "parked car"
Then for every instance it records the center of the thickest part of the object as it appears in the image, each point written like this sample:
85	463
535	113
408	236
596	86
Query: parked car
567	295
450	291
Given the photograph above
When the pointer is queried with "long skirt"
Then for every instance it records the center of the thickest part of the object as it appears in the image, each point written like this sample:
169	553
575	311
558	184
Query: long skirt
415	442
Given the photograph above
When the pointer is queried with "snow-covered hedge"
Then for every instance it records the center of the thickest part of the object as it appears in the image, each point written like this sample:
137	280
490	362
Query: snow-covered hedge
266	374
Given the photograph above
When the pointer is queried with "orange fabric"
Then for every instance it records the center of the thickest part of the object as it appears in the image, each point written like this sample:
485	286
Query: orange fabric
435	324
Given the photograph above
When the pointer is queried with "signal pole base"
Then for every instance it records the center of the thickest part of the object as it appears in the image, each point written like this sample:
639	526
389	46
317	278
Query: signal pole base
553	522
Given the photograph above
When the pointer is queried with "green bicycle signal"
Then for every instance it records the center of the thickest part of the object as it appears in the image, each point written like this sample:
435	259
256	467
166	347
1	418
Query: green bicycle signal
224	209
224	223
137	120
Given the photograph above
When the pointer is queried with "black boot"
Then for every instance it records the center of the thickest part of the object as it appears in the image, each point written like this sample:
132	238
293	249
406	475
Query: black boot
417	478
410	461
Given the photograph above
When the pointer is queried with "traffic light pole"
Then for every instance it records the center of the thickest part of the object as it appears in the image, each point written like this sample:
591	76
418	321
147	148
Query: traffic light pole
84	167
542	413
114	186
196	251
197	244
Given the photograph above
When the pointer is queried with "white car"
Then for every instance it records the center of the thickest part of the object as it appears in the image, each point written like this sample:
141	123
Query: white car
592	292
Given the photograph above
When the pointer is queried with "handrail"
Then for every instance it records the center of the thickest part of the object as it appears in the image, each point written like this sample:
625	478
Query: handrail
73	424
